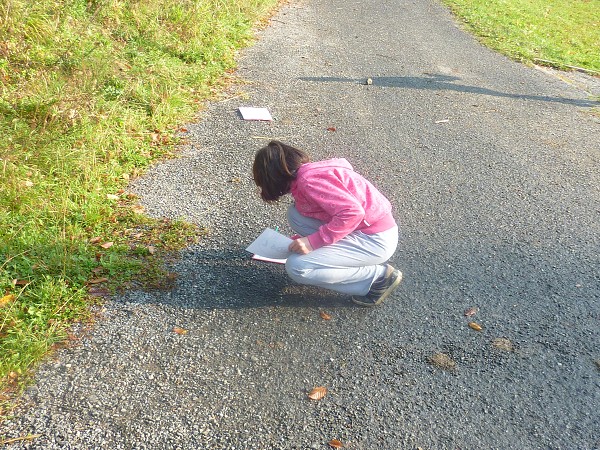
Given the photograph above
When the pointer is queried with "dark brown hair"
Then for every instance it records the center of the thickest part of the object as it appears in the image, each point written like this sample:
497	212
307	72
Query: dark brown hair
275	168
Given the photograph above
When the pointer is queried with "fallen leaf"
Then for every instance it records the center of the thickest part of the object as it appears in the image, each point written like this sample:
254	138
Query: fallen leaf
6	300
179	330
317	393
331	129
28	183
107	245
183	130
442	361
324	315
475	326
98	292
112	197
335	443
151	249
95	240
470	311
98	270
20	282
97	280
138	209
503	344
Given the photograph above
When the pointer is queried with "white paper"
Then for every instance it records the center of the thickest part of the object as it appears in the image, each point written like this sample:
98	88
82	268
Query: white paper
273	260
271	244
249	113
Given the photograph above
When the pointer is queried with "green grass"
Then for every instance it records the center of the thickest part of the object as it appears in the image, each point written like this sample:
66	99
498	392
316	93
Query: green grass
91	93
564	32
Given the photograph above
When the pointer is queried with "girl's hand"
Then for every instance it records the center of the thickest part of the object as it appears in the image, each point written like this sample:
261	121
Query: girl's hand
301	246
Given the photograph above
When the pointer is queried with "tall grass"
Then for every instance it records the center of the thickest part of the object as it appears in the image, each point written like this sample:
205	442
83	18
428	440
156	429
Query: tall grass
562	32
92	92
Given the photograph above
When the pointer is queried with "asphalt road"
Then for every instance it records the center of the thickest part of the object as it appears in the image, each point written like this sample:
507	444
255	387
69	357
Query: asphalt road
493	171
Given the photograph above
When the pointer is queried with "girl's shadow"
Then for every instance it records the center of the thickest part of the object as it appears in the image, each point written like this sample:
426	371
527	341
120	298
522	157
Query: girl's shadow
230	279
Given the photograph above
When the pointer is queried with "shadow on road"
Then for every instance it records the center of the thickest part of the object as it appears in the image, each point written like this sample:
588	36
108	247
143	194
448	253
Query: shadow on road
228	279
438	82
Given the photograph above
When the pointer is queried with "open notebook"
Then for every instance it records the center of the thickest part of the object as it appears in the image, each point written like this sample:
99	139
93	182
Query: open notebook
270	246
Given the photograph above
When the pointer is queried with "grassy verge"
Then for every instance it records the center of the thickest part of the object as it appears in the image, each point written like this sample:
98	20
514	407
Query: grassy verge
560	33
92	92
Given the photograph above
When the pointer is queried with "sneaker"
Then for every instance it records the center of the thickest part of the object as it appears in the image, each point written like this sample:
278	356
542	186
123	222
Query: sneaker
381	288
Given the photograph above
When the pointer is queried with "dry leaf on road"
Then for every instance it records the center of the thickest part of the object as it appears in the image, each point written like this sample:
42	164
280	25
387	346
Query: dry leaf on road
317	393
335	443
475	326
442	361
503	344
324	315
470	311
180	330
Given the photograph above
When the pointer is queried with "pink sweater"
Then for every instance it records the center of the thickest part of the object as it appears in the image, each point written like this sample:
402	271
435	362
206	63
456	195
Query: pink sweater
332	192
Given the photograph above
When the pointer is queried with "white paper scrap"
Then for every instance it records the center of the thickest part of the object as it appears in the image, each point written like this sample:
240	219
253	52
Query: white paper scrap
271	244
249	113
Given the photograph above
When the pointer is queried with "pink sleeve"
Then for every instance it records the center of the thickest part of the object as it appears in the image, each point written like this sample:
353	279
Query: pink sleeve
337	201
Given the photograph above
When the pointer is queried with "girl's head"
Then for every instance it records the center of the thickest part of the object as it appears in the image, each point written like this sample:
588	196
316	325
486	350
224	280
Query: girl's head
275	167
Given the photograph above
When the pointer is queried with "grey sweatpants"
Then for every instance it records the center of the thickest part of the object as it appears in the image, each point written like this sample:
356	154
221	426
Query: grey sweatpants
348	266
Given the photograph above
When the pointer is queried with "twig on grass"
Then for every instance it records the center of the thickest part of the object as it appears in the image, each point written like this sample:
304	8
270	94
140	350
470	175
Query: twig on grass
29	437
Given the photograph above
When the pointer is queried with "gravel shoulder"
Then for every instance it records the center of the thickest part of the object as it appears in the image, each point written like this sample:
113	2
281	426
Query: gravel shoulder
493	170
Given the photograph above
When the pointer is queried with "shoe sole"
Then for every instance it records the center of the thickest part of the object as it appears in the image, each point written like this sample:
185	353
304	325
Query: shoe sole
385	294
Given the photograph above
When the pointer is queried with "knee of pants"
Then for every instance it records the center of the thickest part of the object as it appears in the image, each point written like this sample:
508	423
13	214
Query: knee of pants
296	269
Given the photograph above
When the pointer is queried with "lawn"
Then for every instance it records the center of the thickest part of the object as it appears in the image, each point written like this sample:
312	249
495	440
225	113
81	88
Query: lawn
560	33
91	93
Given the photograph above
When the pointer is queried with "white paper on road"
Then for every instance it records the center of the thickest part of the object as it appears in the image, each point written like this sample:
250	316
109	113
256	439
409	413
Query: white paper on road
271	245
250	113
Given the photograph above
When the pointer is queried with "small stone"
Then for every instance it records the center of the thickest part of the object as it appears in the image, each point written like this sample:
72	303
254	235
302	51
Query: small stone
369	82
